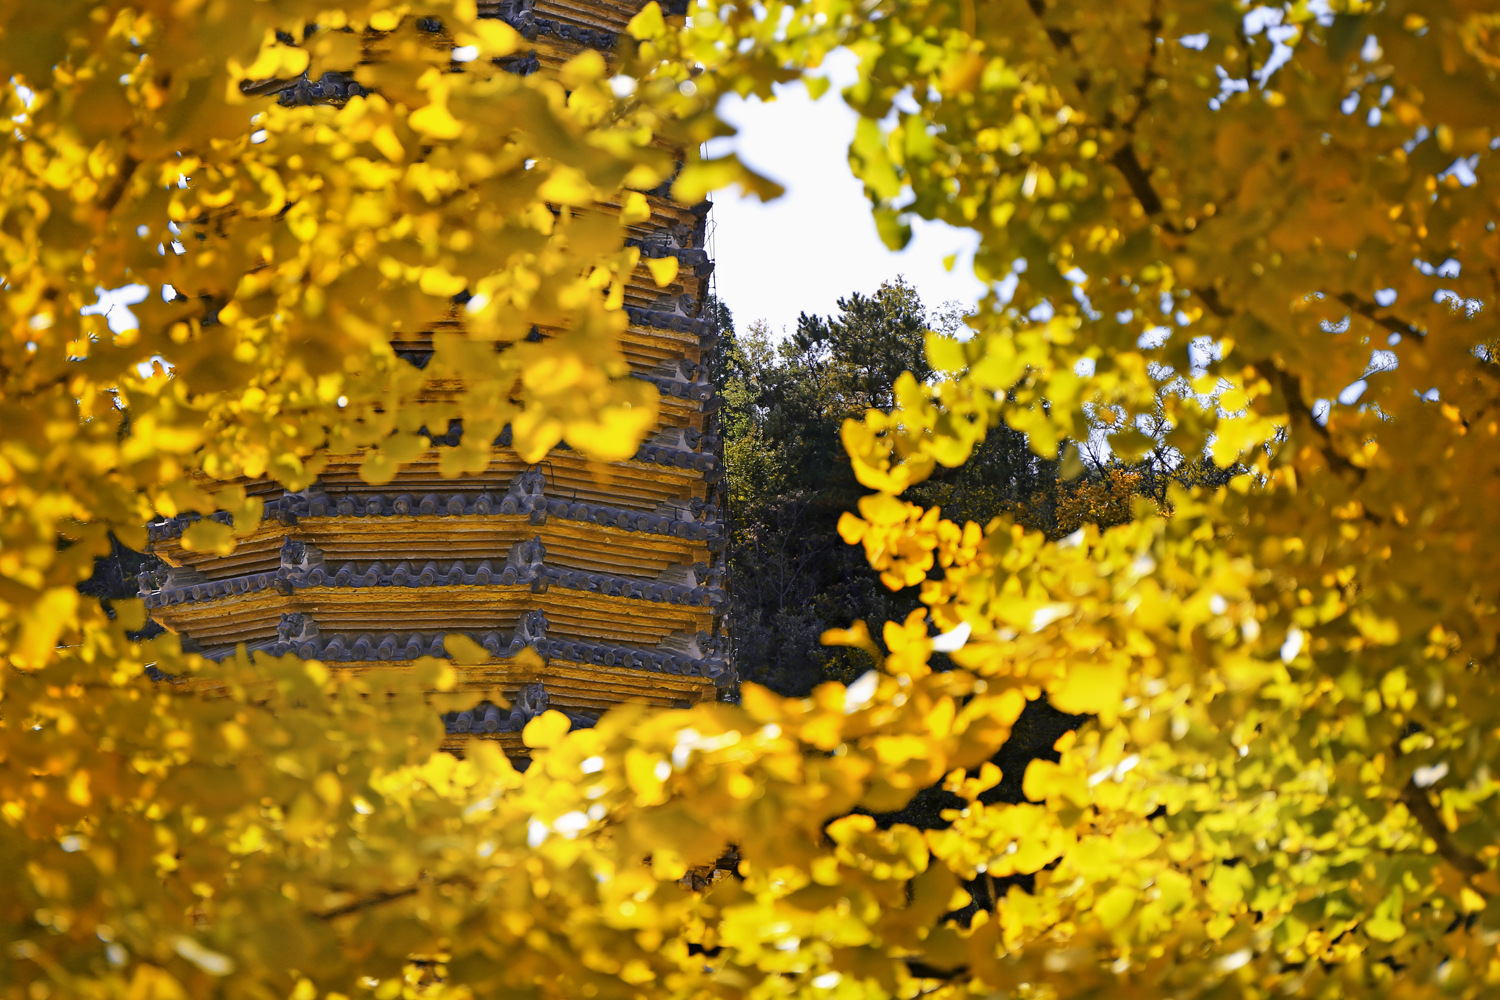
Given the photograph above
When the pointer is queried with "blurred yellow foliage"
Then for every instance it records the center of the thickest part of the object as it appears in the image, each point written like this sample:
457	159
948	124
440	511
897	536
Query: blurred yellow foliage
1288	785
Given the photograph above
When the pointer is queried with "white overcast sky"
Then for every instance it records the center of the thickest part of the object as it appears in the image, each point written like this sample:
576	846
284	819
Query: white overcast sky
817	242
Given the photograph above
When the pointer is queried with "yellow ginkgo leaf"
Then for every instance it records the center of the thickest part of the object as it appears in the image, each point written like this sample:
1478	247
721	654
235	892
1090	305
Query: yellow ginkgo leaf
663	270
648	23
545	730
436	121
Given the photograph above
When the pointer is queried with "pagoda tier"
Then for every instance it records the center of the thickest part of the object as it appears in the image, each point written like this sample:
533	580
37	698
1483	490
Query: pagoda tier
557	30
612	574
616	581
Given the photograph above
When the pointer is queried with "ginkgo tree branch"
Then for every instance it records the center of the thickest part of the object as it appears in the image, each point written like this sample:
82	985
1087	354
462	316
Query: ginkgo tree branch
1432	824
1291	391
381	898
1129	165
1367	310
1125	159
1142	90
112	197
1060	39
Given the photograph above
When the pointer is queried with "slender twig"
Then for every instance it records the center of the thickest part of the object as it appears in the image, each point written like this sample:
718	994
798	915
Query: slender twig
365	904
260	88
1291	391
1432	824
117	190
1142	91
42	387
1367	310
1126	161
1059	38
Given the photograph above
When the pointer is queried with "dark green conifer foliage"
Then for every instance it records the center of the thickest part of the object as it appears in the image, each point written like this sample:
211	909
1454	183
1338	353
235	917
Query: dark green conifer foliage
789	480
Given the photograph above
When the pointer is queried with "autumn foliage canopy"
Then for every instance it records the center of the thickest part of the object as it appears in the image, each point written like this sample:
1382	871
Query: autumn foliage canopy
1263	230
